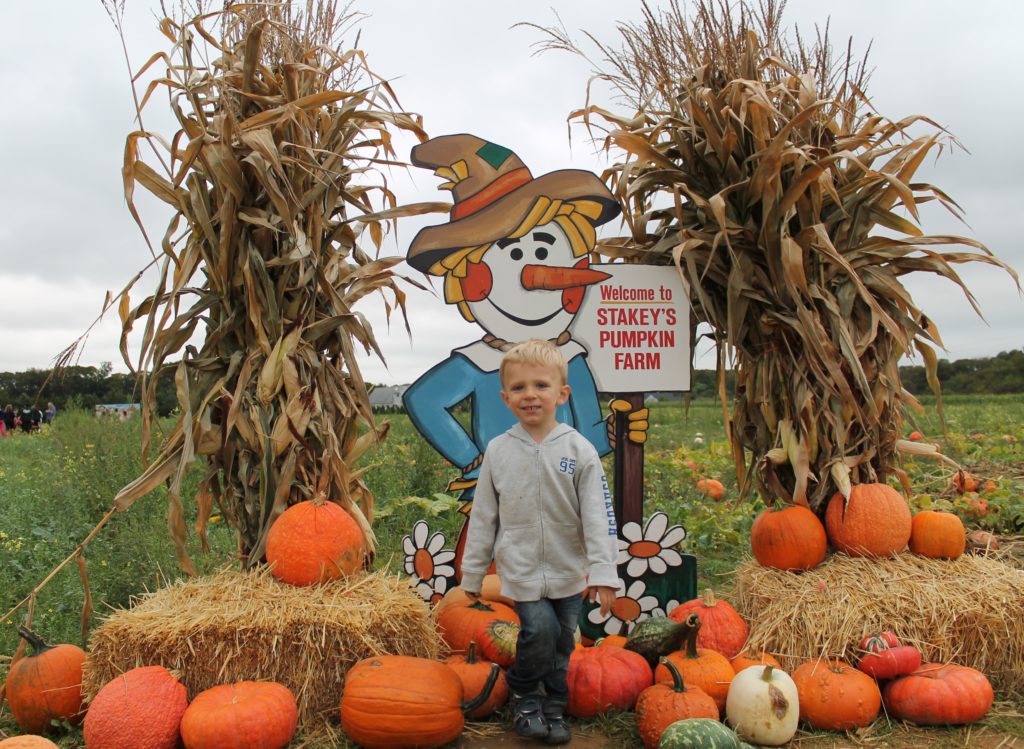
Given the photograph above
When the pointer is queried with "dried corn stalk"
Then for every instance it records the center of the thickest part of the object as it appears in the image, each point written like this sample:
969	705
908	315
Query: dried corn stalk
759	169
272	179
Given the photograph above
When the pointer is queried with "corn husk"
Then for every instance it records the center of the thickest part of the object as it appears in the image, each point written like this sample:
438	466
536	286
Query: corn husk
236	626
968	611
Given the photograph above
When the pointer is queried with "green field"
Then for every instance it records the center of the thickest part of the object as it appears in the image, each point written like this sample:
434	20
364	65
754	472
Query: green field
56	485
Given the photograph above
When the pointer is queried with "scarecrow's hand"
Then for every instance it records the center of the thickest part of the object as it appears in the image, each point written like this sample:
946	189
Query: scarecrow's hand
636	422
468	478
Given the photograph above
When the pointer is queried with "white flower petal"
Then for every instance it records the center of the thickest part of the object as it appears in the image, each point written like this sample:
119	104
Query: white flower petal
443	557
594	616
623	544
613	626
657	565
671	557
655	528
444	570
670	606
408	546
632	531
648	603
636	566
636	589
424	591
410	566
623	557
420	531
676	534
436	543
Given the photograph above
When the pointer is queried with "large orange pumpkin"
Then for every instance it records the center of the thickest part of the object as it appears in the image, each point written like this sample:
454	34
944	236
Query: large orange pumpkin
712	488
475	673
603	679
45	685
245	715
875	522
314	541
836	696
140	708
722	628
938	694
791	538
937	535
704	668
27	742
489	591
402	702
493	626
661	705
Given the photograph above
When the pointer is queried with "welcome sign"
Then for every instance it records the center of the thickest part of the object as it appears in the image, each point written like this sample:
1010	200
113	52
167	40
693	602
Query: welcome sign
635	326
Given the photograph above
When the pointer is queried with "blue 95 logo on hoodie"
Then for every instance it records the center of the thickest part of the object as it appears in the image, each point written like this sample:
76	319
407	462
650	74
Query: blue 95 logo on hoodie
567	465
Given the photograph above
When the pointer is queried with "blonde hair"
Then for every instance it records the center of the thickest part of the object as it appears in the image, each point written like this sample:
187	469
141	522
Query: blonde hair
537	352
574	217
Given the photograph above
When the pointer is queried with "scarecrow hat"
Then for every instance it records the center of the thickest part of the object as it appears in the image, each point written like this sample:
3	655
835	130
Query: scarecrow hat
493	192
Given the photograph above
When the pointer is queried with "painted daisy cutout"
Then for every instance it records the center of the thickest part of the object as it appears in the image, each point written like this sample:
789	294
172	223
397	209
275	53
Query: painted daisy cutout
667	610
425	555
631	606
650	549
432	590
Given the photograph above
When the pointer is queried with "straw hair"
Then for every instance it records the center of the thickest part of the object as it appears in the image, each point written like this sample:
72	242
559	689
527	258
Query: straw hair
969	611
236	626
536	352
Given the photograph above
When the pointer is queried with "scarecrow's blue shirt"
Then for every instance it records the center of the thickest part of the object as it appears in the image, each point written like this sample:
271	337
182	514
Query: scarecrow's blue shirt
430	400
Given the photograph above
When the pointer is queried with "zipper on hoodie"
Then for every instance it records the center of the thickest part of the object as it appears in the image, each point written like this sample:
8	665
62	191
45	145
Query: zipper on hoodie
540	518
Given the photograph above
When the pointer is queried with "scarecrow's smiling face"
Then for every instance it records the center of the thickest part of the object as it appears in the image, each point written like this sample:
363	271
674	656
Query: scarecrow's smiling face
515	309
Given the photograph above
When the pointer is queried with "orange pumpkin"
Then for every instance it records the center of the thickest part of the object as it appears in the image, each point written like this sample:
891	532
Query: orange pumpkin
45	685
704	668
603	679
398	702
489	591
140	708
937	694
314	541
661	705
744	660
712	488
875	522
245	715
791	538
836	696
965	482
981	542
915	436
27	742
475	674
976	507
722	628
937	535
493	626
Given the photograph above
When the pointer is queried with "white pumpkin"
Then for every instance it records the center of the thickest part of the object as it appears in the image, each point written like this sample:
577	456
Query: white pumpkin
762	705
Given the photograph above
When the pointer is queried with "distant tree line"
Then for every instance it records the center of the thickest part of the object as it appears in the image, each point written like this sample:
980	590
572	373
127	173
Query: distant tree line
84	387
80	387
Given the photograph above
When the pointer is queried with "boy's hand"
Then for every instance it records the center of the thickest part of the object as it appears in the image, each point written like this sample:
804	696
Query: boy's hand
604	596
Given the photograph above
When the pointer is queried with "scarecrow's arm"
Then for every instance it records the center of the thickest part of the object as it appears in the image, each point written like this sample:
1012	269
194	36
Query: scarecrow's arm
428	402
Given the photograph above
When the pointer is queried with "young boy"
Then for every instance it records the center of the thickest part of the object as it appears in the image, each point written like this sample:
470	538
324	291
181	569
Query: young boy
542	511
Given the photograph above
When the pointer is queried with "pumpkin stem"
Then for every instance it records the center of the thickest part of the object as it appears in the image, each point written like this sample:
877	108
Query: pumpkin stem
677	678
693	625
709	598
480	699
766	675
479	605
675	639
38	646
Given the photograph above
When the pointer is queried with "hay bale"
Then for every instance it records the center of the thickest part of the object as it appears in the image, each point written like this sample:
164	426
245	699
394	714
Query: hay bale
235	626
969	611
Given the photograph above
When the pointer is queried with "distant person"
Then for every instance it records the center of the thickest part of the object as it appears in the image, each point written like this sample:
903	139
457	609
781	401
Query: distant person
26	420
49	413
9	419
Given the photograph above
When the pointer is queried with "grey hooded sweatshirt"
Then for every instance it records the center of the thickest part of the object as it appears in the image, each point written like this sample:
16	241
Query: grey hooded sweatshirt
544	514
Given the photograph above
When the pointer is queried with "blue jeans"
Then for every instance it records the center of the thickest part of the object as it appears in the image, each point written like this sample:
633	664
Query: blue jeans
546	640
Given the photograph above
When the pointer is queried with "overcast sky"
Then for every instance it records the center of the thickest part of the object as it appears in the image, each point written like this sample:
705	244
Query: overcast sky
66	236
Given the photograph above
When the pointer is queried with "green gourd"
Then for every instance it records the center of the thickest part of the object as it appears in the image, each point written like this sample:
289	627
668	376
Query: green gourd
656	636
700	733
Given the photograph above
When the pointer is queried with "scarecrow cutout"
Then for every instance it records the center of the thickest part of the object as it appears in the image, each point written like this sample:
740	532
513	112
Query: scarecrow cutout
515	259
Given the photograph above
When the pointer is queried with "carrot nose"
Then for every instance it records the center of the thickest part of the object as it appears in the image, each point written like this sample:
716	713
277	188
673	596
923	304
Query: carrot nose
552	278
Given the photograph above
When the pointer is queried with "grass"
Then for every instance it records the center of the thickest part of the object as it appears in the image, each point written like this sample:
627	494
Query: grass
57	484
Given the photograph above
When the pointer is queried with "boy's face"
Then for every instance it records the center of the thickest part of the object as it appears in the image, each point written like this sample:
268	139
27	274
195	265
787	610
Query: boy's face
533	392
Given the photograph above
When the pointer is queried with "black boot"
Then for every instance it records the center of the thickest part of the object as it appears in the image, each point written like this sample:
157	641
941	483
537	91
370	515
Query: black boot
528	717
558	729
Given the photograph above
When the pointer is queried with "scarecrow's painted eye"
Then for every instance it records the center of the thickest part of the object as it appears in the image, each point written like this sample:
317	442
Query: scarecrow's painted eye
516	254
541	253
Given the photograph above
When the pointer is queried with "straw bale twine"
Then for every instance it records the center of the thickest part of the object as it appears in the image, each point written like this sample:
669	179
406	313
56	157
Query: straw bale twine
236	626
969	610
